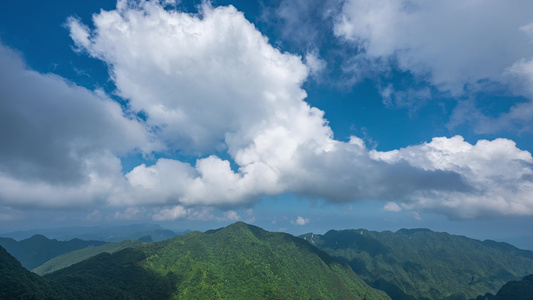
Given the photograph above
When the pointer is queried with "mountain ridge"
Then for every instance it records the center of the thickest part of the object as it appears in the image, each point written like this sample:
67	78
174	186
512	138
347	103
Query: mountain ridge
38	249
420	263
239	261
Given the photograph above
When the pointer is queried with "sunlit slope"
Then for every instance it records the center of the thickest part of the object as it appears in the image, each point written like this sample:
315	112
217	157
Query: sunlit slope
236	262
418	264
68	259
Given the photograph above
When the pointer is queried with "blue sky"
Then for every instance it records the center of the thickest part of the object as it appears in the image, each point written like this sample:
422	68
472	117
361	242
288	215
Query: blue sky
293	115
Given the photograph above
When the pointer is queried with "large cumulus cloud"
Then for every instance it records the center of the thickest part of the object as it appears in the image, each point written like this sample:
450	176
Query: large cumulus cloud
211	81
208	85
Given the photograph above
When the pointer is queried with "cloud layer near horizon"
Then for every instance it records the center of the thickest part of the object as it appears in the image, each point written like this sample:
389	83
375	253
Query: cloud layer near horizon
211	83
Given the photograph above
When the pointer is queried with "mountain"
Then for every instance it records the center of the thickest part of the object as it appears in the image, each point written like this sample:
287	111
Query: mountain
38	249
239	261
70	258
110	233
18	283
517	290
422	264
513	290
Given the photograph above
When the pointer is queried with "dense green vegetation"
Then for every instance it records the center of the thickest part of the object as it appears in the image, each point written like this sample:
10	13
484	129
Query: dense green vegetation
421	264
18	283
517	290
70	258
38	249
112	276
245	262
236	262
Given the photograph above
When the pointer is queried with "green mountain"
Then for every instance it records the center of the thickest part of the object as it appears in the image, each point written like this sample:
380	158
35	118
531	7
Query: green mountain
517	290
236	262
70	258
18	283
421	264
38	249
513	290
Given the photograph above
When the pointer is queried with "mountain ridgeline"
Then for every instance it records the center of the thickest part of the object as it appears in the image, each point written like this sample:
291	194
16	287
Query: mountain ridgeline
70	258
239	261
242	261
421	264
38	249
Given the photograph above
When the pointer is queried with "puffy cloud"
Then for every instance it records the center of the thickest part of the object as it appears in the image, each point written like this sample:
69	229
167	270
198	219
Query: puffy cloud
211	81
315	64
170	214
231	215
208	83
59	141
392	206
498	175
460	47
300	221
453	43
197	77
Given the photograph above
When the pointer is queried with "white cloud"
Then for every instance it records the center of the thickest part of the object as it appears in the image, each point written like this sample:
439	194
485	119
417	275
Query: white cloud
206	83
200	77
392	207
315	64
131	213
498	177
460	47
211	81
452	42
171	214
300	221
231	215
59	141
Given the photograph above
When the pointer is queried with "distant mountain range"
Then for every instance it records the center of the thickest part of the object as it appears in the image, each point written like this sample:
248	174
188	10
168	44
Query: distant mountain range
421	264
111	233
239	261
38	249
242	261
74	257
18	283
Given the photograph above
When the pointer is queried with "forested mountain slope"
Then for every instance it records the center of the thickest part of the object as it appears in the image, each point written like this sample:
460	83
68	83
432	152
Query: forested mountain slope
18	283
239	261
70	258
38	249
421	264
236	262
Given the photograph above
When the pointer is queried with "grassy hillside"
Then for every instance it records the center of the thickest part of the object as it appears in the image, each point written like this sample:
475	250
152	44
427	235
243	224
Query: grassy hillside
236	262
421	264
70	258
38	249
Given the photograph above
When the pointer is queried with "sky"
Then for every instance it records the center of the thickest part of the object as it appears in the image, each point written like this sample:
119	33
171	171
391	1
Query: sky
292	115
